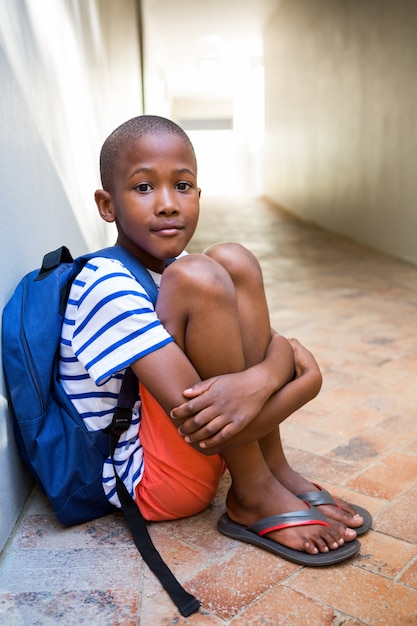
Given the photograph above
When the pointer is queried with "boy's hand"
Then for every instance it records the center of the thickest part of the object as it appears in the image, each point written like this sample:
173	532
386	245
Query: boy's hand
305	363
219	408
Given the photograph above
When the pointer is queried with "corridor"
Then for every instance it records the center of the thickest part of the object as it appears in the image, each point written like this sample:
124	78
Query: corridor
355	309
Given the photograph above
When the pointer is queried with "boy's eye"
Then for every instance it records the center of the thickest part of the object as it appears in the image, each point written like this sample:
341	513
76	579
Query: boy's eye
183	186
143	187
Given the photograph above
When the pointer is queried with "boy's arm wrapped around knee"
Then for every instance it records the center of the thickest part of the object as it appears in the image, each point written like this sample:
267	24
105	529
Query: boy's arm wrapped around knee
231	401
229	409
279	362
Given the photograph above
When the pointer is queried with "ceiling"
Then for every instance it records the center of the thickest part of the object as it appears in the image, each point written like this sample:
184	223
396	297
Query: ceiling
202	48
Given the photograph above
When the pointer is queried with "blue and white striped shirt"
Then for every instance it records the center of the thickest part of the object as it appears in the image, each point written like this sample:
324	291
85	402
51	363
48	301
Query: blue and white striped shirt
110	322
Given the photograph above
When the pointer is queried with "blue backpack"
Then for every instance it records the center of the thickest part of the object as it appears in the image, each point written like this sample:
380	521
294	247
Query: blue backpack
65	458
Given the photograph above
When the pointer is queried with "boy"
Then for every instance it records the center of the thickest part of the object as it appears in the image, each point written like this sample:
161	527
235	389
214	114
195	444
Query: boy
215	379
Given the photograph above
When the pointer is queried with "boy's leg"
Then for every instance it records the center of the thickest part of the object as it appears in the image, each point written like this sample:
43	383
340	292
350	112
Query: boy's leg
274	455
200	306
253	307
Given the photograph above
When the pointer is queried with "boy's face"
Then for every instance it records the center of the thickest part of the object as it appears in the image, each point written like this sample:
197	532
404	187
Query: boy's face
155	198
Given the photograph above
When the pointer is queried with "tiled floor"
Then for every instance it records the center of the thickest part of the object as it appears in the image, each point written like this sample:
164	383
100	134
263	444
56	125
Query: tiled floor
357	311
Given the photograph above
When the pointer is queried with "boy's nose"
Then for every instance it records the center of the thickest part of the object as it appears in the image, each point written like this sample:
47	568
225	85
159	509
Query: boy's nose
167	203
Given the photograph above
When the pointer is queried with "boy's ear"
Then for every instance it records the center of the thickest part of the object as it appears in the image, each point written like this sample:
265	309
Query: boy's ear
105	205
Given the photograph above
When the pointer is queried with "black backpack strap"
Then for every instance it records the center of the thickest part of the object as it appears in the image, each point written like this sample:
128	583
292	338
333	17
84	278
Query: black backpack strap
186	603
52	260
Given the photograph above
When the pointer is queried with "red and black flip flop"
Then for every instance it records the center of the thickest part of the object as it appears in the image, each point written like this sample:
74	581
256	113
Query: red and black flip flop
254	535
317	498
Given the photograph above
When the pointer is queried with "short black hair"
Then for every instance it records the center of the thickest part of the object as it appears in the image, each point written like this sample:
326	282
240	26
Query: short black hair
130	132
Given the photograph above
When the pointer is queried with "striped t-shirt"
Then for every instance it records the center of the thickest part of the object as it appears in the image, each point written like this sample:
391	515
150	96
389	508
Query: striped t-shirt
110	322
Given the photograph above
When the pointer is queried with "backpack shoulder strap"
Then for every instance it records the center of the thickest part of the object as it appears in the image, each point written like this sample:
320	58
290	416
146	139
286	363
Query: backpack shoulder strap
52	260
185	602
132	263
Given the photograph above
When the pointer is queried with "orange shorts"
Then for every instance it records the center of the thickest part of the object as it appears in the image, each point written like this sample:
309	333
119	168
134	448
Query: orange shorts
178	480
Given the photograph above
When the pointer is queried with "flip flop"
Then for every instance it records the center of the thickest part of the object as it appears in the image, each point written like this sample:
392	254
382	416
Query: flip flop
254	535
316	498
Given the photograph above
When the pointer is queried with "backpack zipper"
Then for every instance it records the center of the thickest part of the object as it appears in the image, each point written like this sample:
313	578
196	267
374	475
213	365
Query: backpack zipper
28	356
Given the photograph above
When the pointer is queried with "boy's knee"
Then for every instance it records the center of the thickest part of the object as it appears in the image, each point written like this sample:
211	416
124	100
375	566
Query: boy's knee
196	272
238	261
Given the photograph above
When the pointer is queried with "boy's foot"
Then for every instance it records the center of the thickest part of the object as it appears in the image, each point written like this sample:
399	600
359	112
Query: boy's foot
257	534
337	511
354	516
291	522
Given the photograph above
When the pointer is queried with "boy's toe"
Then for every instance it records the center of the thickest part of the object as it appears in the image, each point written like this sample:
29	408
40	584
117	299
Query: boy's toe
360	522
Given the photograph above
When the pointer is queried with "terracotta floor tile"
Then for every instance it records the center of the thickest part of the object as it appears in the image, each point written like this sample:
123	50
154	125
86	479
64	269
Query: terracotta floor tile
410	447
199	533
402	425
351	421
373	505
157	610
409	576
399	519
68	570
309	439
395	370
333	376
230	585
361	449
285	607
107	608
38	503
390	434
386	403
305	417
46	532
373	443
181	558
321	468
407	387
384	555
362	595
339	398
389	478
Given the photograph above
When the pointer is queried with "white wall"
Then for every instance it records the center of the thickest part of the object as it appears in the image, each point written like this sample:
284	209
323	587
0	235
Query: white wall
341	111
70	74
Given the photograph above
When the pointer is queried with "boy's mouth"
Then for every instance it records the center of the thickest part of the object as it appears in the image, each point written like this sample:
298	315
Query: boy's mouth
168	229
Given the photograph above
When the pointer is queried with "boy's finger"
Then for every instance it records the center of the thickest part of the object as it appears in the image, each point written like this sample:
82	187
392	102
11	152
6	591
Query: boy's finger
219	438
186	410
203	420
196	389
206	432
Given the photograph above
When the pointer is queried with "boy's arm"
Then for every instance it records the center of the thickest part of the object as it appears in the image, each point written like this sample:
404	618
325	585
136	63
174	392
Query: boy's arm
166	372
230	428
237	397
